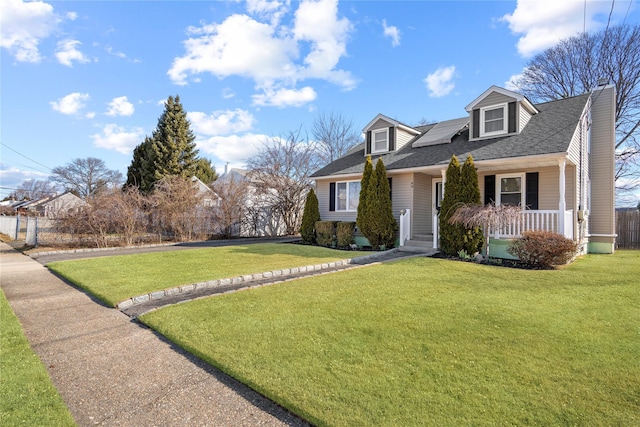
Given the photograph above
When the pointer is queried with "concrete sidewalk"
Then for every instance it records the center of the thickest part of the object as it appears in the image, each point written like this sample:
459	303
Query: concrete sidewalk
112	371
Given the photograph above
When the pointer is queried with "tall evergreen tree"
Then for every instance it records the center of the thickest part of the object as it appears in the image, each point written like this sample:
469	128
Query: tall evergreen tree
470	194
136	170
361	220
450	235
169	151
173	150
205	171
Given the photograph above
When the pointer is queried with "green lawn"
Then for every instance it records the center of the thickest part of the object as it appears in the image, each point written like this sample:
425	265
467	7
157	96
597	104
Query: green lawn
114	279
433	342
27	396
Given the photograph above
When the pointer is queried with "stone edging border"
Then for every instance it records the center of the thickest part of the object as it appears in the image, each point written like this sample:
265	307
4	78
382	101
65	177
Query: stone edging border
37	255
247	278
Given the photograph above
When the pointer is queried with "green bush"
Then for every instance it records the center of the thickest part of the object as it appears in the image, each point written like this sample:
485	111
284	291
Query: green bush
344	233
310	216
325	233
377	222
543	248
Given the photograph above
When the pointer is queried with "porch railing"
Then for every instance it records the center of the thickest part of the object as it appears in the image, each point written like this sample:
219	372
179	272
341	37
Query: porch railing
405	226
536	220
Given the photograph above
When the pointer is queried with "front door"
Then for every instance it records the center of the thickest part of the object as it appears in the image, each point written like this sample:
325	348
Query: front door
437	193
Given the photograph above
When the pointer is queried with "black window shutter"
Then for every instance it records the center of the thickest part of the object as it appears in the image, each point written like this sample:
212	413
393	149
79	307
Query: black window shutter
392	138
512	117
332	196
532	191
476	123
489	189
367	149
390	189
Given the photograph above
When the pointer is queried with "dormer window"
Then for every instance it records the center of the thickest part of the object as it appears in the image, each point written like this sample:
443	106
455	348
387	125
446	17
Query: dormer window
493	120
380	140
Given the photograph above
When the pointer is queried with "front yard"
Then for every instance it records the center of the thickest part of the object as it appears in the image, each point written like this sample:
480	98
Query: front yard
113	279
432	342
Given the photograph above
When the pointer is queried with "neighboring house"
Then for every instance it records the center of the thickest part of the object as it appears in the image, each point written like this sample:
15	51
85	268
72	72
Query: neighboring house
259	217
555	159
61	204
209	197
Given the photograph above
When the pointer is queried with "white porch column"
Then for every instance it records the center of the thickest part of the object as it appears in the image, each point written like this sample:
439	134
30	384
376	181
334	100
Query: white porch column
443	172
562	205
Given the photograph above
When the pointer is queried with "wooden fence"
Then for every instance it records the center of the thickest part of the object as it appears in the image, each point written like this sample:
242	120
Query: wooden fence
628	230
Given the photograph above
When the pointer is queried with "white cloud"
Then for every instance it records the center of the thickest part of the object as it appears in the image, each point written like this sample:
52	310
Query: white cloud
273	10
285	97
233	148
392	32
511	84
72	16
67	52
267	52
117	138
11	177
317	22
71	104
543	23
113	52
120	107
228	93
221	122
23	25
440	82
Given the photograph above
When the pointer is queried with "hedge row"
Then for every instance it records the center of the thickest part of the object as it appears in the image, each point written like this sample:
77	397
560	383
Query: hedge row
334	234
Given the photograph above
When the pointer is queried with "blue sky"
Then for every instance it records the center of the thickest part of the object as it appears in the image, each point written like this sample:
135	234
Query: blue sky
88	78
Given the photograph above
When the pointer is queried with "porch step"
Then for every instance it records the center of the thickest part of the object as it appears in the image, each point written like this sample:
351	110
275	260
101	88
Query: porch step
418	246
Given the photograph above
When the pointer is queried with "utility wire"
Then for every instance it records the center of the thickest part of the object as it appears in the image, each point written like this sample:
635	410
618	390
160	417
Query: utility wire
28	158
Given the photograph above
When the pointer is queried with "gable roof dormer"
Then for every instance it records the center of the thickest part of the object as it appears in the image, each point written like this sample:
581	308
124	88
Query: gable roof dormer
384	135
498	112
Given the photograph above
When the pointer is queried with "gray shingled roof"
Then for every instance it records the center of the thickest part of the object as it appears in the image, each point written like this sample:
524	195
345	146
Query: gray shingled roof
547	132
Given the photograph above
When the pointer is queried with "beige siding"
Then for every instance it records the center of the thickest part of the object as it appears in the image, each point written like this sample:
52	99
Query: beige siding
421	211
322	191
548	185
380	124
523	116
402	138
494	98
602	166
402	193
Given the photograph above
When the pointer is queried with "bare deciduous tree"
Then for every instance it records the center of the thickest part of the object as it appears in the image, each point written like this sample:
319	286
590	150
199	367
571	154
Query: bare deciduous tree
177	208
334	136
230	214
33	189
86	176
280	171
575	65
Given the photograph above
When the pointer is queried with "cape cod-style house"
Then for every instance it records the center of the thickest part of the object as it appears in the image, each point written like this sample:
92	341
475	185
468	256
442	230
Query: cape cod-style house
554	159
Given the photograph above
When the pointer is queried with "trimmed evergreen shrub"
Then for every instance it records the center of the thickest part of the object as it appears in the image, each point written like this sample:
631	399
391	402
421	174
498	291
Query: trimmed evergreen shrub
469	194
362	219
451	235
543	248
344	233
310	216
377	222
324	233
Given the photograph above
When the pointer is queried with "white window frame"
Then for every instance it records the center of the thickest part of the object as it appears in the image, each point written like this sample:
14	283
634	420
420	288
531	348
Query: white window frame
349	195
505	120
523	190
373	140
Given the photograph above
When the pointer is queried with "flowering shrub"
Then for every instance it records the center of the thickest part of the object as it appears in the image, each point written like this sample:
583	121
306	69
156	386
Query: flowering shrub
543	248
